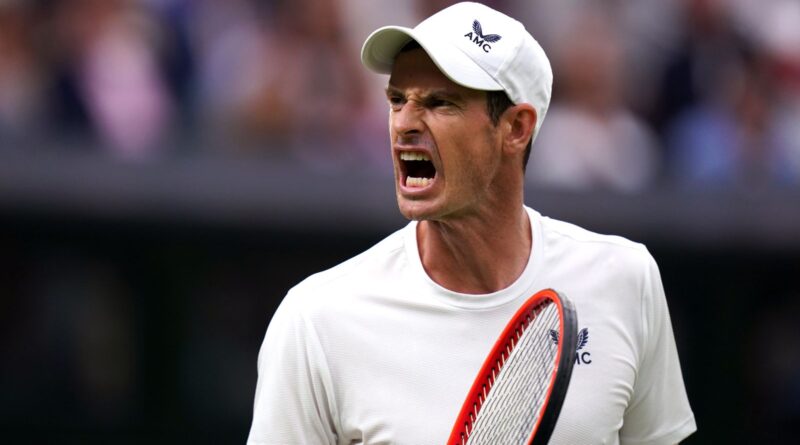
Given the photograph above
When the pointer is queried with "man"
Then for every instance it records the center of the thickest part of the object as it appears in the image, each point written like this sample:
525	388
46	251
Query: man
384	347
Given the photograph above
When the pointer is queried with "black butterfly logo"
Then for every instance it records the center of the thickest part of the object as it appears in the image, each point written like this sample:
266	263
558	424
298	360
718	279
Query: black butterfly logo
491	38
583	337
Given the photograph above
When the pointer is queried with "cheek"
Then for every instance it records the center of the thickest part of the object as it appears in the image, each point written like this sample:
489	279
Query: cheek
465	163
475	149
466	147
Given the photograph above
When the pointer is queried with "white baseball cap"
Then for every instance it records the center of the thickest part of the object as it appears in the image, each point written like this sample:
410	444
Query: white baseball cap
475	46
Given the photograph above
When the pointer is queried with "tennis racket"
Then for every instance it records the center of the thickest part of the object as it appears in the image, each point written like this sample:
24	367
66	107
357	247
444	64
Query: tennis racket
518	393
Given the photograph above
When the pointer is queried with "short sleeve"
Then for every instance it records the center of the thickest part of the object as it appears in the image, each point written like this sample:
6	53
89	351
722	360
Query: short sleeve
659	411
292	403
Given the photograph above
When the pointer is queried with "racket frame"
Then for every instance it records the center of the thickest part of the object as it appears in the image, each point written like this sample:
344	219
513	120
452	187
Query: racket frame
557	390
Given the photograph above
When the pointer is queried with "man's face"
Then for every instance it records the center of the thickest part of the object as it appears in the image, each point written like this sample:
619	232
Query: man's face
445	148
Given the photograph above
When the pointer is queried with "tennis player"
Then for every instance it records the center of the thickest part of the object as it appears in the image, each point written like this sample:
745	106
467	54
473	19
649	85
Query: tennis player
383	348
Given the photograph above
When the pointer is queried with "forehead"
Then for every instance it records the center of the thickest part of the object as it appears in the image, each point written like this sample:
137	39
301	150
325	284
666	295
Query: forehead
414	70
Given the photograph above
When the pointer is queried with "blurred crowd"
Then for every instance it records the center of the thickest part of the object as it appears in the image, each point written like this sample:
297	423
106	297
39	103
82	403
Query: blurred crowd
699	93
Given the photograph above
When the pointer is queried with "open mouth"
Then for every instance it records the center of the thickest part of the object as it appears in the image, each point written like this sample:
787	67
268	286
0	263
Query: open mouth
418	170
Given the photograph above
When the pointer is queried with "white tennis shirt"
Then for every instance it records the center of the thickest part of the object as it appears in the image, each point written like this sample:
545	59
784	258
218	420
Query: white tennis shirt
373	351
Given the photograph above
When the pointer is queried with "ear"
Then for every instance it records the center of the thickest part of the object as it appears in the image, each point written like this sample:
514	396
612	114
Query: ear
520	121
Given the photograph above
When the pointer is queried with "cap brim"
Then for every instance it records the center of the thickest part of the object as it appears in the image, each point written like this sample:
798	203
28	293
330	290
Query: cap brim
383	45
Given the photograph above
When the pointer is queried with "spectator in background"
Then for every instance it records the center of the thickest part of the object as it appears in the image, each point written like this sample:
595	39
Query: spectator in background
647	31
775	27
590	140
110	81
295	69
725	125
730	138
708	43
22	77
229	46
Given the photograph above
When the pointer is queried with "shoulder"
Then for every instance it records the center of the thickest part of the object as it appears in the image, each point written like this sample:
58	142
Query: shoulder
346	278
320	305
613	260
577	237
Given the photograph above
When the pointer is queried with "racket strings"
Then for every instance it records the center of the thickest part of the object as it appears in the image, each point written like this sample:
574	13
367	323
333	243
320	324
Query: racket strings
519	383
519	331
486	387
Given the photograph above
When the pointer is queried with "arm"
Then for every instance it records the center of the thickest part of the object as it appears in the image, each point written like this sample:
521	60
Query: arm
659	411
292	405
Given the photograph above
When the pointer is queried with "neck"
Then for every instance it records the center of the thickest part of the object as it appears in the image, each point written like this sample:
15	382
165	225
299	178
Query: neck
477	254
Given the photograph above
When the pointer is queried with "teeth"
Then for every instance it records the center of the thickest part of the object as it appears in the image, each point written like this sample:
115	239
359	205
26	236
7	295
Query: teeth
411	156
417	182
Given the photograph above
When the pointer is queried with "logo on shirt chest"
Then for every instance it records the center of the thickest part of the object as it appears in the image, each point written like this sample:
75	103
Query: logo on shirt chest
582	356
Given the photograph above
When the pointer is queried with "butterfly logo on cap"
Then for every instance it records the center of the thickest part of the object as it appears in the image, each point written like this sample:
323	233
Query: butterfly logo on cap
477	37
491	38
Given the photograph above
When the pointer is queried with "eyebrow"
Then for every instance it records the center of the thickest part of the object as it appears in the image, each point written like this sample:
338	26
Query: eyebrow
436	92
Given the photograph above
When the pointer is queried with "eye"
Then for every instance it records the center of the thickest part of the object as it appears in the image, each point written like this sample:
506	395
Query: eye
436	102
395	101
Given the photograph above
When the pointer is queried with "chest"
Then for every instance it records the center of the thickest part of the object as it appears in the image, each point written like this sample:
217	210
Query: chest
404	383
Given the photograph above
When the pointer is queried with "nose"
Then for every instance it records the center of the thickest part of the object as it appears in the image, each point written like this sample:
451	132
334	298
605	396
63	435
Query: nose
407	121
